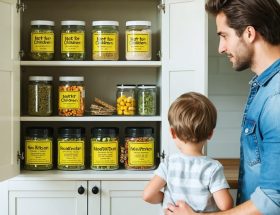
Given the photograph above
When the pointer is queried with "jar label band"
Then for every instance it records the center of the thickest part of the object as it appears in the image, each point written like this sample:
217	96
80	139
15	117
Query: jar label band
141	153
104	153
42	42
70	152
137	42
73	42
38	152
69	99
104	42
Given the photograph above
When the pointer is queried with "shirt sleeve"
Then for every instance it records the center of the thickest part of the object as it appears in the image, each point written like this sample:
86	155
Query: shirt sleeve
161	171
218	180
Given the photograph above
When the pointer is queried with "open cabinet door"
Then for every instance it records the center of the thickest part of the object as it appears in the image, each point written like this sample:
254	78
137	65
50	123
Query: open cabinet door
184	54
10	89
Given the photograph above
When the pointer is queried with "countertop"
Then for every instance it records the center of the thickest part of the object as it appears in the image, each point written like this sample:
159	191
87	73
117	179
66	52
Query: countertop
231	167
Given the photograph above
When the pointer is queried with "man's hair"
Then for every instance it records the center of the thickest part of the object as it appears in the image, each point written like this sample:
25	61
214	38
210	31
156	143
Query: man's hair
263	15
193	117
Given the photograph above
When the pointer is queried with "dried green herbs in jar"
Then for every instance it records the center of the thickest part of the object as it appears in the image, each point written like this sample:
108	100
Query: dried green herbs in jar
40	92
147	100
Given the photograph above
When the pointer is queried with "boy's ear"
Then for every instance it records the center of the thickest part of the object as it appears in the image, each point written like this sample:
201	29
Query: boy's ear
173	133
210	135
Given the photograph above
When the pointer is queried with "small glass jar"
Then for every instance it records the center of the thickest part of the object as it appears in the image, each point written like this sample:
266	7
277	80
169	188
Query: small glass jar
126	102
138	41
105	40
72	40
40	93
139	148
71	149
71	96
146	100
42	40
104	149
38	149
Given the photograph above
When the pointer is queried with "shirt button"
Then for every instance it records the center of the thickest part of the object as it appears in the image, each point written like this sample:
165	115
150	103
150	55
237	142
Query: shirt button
254	84
246	130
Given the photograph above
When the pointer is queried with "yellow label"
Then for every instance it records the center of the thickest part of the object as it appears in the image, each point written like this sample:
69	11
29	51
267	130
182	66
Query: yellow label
73	42
70	152
69	99
141	153
137	42
38	152
42	42
104	154
105	42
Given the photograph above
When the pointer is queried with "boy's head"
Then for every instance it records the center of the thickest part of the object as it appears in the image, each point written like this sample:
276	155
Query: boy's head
193	117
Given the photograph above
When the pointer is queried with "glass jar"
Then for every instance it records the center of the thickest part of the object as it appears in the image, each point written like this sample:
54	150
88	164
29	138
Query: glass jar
104	148
139	149
71	149
138	41
146	100
40	93
38	149
72	40
42	40
105	40
126	103
71	96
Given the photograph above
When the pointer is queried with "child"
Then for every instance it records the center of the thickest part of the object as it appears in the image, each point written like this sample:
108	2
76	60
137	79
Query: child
189	175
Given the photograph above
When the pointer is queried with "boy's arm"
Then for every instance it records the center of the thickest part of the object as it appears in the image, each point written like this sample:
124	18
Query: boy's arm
223	199
152	192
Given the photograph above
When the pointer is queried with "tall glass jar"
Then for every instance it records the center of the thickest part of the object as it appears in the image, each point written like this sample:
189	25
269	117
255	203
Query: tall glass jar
71	96
105	40
72	40
38	148
40	92
104	148
42	40
146	99
126	102
71	149
138	41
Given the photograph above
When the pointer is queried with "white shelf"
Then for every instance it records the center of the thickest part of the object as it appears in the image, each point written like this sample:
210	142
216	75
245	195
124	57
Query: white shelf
93	63
93	118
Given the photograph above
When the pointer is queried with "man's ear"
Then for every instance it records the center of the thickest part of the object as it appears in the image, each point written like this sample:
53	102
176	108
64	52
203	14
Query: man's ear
250	34
173	133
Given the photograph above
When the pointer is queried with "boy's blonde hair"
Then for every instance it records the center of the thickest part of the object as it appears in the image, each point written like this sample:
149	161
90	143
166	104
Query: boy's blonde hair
193	117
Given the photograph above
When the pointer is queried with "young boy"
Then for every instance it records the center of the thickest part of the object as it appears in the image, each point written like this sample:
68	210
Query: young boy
190	175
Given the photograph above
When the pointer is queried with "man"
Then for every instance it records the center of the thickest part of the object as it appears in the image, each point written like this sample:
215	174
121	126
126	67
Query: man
249	32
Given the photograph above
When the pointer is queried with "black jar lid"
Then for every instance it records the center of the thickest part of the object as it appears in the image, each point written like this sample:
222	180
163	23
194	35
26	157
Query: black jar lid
39	132
71	132
104	132
139	131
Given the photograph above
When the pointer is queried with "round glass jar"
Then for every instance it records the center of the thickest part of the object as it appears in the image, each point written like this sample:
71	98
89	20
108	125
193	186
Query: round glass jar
38	149
72	40
146	100
139	148
138	40
104	148
40	93
71	96
42	40
71	149
126	102
105	40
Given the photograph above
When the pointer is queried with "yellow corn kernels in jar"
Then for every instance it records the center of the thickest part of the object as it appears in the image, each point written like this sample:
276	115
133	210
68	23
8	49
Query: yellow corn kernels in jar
71	96
126	102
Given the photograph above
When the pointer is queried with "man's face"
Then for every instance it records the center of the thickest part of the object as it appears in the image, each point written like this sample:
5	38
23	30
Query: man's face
238	51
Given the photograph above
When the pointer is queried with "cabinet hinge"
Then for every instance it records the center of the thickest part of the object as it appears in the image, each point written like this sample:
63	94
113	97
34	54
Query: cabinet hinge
20	7
21	54
161	155
159	55
20	156
161	7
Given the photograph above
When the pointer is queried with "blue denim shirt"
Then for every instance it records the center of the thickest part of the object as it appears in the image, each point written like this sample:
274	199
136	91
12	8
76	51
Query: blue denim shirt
259	174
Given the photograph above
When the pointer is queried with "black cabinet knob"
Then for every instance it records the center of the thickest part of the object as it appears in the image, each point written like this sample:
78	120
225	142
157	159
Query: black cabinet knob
81	190
95	190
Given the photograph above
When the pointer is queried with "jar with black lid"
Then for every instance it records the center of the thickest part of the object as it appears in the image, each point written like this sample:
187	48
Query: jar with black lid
71	149
40	92
105	148
139	148
38	148
146	99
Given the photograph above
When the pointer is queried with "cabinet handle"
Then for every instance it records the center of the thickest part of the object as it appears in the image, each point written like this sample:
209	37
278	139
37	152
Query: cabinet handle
95	190
81	190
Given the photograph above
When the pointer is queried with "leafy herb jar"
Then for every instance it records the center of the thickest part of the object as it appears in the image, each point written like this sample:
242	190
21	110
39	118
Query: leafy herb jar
104	149
105	40
38	148
72	40
40	92
126	99
42	40
71	149
146	100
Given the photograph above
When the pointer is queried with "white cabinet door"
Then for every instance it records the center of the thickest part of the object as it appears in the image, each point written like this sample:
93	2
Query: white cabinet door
184	54
9	93
47	198
125	198
94	202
